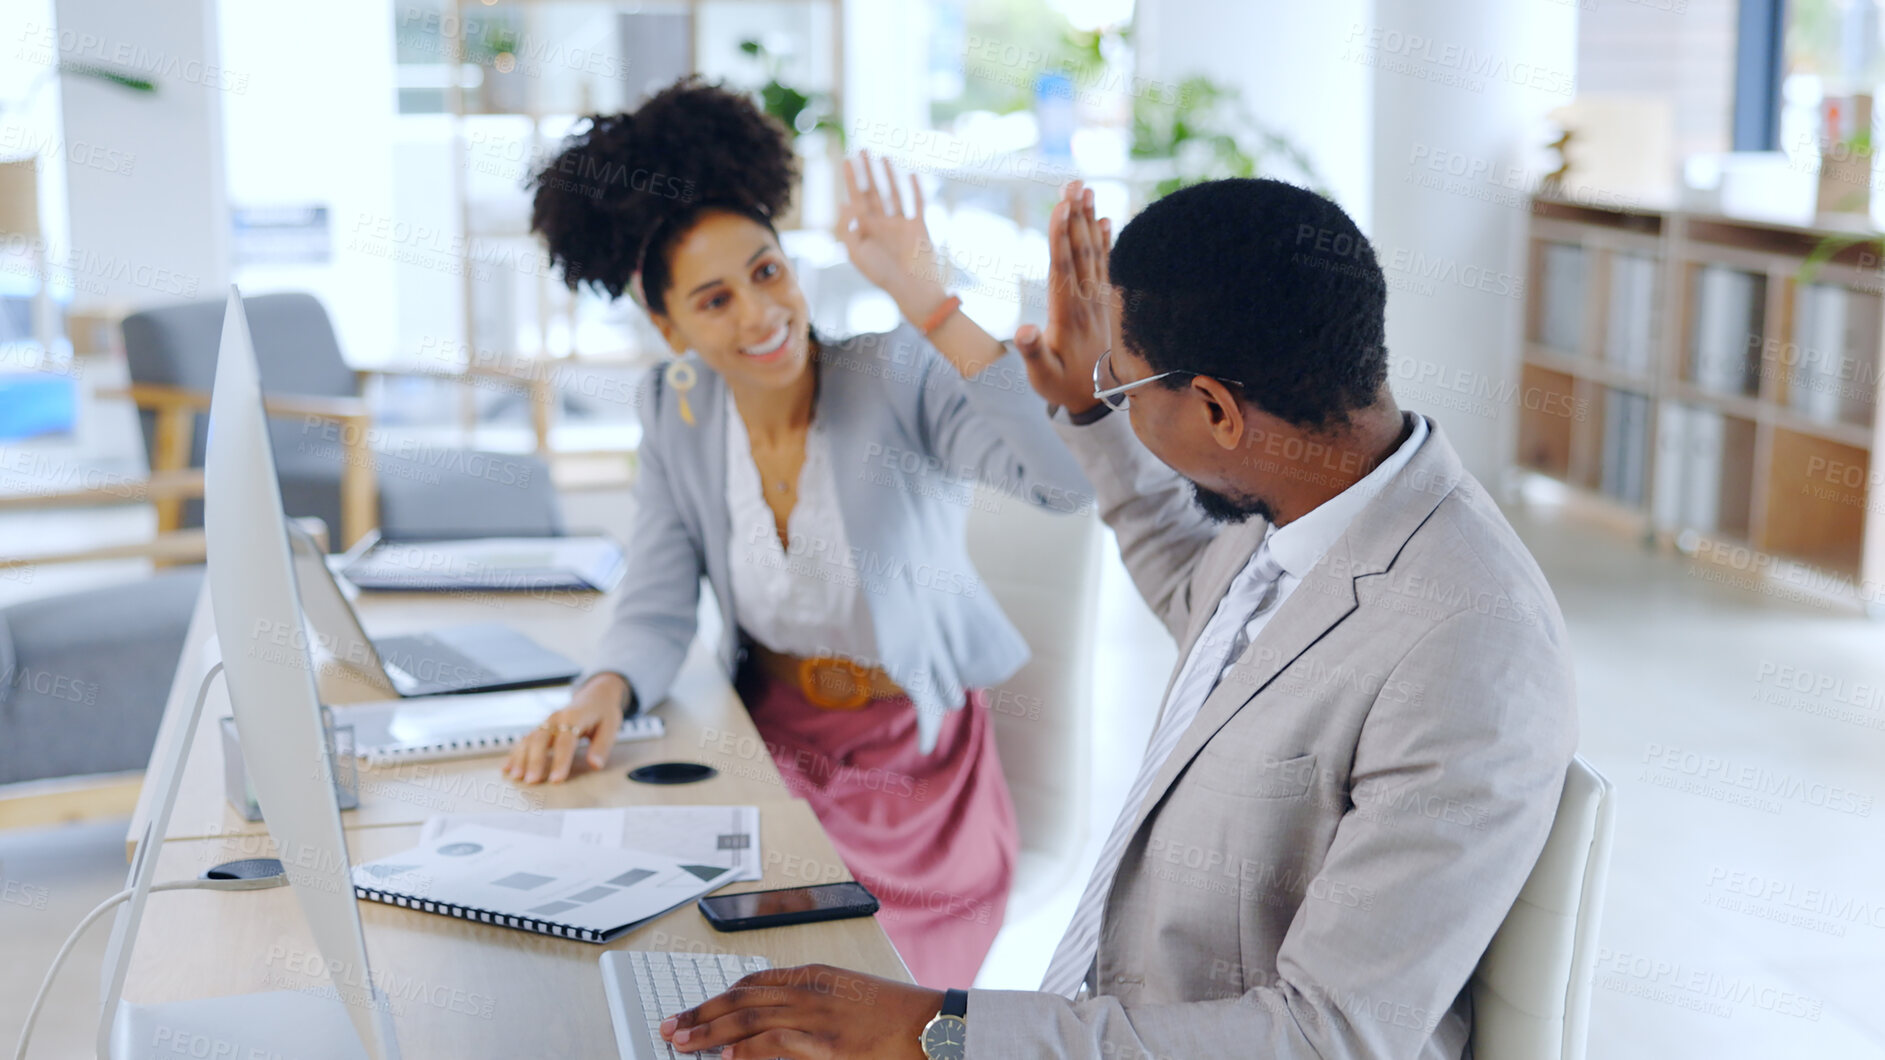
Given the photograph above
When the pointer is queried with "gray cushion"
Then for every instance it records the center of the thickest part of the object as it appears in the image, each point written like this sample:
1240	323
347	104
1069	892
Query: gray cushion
428	493
90	674
295	345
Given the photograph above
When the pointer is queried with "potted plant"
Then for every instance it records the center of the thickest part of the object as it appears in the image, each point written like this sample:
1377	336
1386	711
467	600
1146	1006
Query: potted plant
1208	134
800	112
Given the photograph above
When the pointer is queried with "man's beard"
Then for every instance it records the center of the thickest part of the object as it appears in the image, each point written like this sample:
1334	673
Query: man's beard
1227	508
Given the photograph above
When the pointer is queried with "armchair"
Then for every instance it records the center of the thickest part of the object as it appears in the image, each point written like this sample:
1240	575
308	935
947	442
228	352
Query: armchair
322	432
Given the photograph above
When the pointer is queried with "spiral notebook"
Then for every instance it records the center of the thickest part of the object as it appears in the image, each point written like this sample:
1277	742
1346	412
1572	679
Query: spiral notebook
548	886
404	730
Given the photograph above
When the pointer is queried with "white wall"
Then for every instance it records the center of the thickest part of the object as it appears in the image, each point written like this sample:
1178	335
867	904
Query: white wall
1682	50
29	128
157	233
886	62
316	127
1461	90
1378	92
1286	57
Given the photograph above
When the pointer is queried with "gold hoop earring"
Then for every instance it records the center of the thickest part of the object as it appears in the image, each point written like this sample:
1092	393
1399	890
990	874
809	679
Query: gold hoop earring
681	376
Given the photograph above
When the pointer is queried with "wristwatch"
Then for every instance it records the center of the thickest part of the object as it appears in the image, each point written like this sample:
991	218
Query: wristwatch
946	1035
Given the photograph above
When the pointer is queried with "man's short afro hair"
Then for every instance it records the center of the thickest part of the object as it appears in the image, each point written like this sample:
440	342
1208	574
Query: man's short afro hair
1261	283
625	187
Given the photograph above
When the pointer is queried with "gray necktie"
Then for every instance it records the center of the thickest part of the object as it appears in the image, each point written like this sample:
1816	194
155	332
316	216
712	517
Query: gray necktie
1216	648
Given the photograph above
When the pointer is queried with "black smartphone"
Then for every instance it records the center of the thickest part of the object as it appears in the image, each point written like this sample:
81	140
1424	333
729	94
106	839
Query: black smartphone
792	905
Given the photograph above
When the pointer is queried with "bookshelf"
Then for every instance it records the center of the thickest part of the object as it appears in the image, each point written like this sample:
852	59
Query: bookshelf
1692	372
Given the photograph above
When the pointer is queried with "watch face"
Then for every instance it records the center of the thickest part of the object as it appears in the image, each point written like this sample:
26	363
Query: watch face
946	1038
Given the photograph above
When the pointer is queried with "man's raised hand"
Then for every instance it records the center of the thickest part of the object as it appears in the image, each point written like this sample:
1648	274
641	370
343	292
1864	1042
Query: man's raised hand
1082	305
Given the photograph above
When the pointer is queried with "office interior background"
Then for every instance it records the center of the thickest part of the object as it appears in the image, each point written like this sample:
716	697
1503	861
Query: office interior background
1633	250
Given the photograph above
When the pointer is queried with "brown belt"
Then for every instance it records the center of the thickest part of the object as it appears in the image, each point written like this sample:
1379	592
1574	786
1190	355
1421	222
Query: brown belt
828	681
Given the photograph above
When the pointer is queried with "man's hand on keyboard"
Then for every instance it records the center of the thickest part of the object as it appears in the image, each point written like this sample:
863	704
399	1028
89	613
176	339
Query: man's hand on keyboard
812	1012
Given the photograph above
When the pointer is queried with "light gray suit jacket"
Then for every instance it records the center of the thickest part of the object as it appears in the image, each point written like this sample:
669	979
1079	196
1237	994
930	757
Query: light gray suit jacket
910	439
1321	862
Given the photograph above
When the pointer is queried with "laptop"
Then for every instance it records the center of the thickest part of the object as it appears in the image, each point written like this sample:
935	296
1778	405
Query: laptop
481	657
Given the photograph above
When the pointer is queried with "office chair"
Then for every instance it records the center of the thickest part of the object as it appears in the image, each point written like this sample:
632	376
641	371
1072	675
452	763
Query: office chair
1043	569
320	426
1531	991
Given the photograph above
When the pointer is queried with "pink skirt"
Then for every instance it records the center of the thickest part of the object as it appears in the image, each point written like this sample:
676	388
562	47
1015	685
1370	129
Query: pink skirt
933	836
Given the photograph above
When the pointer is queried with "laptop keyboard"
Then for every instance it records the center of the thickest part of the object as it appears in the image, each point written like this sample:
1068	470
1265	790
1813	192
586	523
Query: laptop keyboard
670	982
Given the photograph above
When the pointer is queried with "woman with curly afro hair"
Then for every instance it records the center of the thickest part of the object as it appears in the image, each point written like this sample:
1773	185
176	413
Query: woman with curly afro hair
821	486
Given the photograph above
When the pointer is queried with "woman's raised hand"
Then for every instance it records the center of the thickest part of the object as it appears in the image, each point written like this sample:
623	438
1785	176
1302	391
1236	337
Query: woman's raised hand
891	248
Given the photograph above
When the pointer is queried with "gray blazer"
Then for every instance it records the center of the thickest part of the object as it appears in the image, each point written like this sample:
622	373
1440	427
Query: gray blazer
1327	852
910	439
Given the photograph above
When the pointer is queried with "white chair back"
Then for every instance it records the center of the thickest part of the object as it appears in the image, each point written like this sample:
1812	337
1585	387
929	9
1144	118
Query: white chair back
1043	569
1531	991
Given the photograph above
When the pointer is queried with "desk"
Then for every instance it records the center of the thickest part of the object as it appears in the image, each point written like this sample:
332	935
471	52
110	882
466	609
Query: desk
461	989
457	988
705	723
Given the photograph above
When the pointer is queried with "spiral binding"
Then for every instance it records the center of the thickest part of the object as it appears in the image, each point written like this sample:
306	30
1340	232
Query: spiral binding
481	916
641	726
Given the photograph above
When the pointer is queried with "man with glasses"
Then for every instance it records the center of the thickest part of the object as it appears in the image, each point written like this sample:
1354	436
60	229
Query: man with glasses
1360	754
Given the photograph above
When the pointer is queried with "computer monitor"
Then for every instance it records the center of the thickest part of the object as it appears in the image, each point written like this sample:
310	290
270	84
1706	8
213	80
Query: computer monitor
272	694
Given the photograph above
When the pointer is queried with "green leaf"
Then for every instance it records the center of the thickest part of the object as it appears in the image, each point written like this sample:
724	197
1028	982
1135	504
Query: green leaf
1825	250
125	81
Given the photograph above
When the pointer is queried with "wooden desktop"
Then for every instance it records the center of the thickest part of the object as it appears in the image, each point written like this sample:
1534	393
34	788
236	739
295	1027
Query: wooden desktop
457	988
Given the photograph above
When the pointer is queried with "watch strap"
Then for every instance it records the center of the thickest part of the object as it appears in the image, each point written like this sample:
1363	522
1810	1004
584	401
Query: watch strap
1092	415
955	1003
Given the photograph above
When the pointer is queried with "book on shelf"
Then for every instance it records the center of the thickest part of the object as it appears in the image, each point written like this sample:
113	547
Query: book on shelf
1625	445
1832	360
1689	468
1818	348
1724	349
1666	492
1630	324
1561	317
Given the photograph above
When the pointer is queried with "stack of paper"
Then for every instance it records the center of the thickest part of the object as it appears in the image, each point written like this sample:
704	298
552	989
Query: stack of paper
711	835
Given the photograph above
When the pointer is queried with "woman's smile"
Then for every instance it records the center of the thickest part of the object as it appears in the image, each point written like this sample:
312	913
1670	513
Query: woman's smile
772	347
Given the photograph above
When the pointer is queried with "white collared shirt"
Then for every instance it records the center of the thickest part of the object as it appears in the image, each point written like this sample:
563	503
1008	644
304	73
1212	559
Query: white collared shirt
800	598
1296	547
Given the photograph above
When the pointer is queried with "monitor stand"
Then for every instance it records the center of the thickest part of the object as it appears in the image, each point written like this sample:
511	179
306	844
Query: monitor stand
276	1025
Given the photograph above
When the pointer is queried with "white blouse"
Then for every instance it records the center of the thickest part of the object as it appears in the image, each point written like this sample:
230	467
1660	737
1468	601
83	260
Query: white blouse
808	600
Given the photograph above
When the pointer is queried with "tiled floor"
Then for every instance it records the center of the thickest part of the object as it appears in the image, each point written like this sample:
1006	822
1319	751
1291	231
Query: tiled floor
1740	923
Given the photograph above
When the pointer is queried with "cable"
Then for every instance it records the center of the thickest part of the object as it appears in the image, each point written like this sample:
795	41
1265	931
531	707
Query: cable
45	986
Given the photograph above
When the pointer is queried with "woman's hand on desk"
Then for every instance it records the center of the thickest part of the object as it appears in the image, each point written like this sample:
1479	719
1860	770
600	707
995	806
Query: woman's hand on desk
594	711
